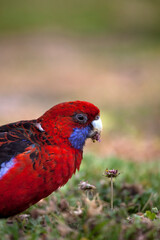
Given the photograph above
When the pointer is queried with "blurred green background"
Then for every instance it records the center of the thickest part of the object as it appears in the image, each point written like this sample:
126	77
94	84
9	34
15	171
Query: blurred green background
105	52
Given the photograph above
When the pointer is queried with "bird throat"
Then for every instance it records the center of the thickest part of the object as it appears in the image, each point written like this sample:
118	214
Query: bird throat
79	136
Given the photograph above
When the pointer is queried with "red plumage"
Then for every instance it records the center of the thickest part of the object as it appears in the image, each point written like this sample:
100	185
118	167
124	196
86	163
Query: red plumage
39	156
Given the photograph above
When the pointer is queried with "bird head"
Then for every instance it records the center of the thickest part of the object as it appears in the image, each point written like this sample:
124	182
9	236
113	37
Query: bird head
72	123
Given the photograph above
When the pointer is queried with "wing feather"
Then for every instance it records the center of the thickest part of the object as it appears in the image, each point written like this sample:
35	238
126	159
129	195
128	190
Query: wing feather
15	138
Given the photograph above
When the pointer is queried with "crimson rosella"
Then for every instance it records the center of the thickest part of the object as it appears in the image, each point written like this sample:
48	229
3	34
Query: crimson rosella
39	156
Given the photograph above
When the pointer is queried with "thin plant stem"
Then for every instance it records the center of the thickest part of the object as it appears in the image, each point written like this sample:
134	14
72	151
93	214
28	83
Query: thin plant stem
87	194
148	201
111	193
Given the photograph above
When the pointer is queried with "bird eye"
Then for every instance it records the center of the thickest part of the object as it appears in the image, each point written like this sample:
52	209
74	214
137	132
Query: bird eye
97	117
81	118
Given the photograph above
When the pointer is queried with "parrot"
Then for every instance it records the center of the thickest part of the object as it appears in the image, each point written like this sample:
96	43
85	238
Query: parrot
39	156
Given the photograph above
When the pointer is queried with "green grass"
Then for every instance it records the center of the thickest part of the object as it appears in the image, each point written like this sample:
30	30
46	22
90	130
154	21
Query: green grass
89	17
71	214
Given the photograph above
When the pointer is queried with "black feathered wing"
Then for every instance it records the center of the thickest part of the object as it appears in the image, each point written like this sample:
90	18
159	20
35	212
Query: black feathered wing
15	138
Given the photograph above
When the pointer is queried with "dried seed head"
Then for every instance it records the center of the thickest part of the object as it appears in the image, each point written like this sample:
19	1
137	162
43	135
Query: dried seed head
111	173
84	186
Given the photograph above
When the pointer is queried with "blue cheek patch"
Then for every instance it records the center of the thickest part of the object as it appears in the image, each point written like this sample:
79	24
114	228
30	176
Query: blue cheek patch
78	137
5	167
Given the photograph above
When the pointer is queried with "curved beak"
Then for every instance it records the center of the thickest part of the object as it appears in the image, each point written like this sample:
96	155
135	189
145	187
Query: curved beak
96	130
